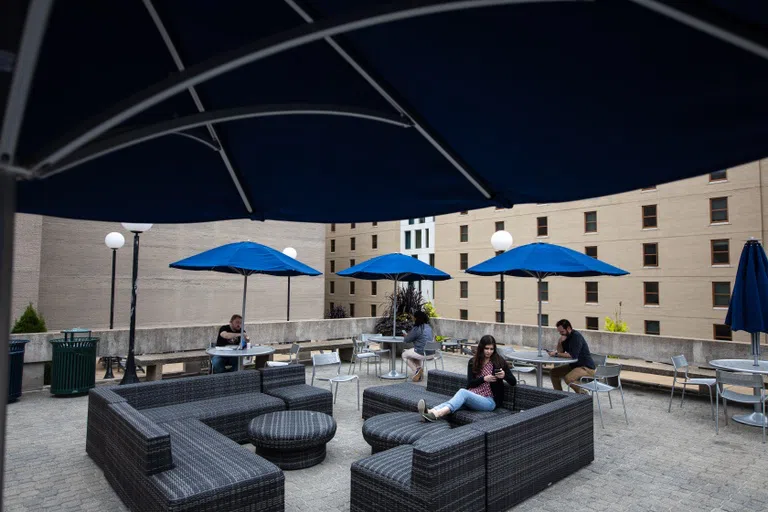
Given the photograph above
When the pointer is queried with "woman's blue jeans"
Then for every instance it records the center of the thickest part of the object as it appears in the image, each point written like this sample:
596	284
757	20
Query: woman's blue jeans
466	398
219	364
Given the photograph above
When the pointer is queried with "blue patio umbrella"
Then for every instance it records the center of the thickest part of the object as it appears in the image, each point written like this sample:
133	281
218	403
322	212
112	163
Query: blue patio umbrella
245	259
748	310
540	261
395	267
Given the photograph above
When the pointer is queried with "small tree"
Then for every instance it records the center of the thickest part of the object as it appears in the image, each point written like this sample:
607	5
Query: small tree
430	310
409	301
30	321
617	325
336	311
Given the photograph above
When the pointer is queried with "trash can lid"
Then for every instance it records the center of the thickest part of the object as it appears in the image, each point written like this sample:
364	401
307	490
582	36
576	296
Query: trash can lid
76	329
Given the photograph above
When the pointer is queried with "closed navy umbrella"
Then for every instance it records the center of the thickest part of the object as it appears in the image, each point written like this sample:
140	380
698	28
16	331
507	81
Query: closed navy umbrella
245	259
540	260
395	267
748	310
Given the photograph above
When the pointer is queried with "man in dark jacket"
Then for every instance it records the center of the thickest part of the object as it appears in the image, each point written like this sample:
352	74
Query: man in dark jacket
572	345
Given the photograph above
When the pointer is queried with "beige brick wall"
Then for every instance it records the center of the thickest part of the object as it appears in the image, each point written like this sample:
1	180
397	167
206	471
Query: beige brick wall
75	266
388	234
685	273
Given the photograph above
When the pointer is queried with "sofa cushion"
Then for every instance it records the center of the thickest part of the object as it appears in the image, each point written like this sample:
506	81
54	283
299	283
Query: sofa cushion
397	398
209	467
147	395
465	416
304	397
394	466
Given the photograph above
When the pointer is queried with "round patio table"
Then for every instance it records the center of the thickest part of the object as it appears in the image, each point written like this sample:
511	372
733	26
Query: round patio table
533	357
393	342
756	418
254	351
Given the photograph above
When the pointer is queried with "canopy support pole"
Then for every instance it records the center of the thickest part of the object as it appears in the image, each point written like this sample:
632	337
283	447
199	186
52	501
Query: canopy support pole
242	320
756	347
538	292
394	311
253	52
425	132
288	303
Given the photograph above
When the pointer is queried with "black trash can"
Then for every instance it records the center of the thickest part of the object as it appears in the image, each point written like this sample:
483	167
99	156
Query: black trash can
15	368
73	368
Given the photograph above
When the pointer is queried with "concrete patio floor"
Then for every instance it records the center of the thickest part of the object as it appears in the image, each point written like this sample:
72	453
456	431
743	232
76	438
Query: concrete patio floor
662	461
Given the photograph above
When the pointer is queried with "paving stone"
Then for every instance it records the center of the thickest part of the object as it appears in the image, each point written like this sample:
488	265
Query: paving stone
662	461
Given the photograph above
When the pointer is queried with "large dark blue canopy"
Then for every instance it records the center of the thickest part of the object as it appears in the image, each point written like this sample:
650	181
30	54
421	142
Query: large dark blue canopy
542	260
395	266
246	258
748	310
468	103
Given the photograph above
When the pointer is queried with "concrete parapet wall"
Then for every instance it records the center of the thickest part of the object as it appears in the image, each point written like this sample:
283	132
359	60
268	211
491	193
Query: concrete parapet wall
625	345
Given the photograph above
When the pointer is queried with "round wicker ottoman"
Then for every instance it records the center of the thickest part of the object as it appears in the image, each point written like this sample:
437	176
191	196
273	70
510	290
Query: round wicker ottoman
386	431
292	439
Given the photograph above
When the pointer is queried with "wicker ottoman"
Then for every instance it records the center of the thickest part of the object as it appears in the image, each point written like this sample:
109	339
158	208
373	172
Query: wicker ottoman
292	439
386	431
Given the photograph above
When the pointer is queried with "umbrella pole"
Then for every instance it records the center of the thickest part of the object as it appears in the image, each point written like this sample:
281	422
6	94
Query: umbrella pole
394	311
242	320
288	308
538	292
756	347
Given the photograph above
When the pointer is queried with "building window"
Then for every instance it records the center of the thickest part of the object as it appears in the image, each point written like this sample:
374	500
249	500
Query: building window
651	293
463	212
718	209
544	320
653	327
463	289
721	294
463	314
499	317
499	288
333	227
374	241
591	250
592	323
351	287
422	220
650	220
544	291
411	221
463	261
352	225
374	288
373	309
722	332
352	244
426	238
415	256
432	259
352	310
330	305
590	222
650	255
721	254
333	245
374	224
332	286
464	233
418	239
333	265
718	176
542	226
590	289
352	262
499	225
407	239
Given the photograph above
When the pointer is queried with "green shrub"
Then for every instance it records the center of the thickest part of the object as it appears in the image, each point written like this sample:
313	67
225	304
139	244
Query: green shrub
617	325
336	312
430	310
30	321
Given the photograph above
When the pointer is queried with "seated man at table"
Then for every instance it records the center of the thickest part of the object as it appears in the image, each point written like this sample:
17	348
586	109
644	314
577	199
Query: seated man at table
572	345
228	335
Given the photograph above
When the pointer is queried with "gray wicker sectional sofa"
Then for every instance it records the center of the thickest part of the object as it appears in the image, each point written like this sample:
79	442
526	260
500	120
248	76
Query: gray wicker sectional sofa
536	438
173	445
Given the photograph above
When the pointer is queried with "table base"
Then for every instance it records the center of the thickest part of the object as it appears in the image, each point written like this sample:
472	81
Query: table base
393	375
755	419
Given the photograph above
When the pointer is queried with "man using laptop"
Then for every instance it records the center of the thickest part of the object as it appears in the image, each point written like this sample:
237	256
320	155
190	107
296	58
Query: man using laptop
228	335
572	345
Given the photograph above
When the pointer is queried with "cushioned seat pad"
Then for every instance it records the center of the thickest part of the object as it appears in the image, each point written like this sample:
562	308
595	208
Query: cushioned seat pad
397	428
291	429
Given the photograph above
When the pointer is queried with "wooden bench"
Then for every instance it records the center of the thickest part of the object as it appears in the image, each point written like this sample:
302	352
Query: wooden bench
153	363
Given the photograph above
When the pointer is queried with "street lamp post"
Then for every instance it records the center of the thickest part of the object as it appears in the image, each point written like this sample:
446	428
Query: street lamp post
291	253
114	241
502	241
130	377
